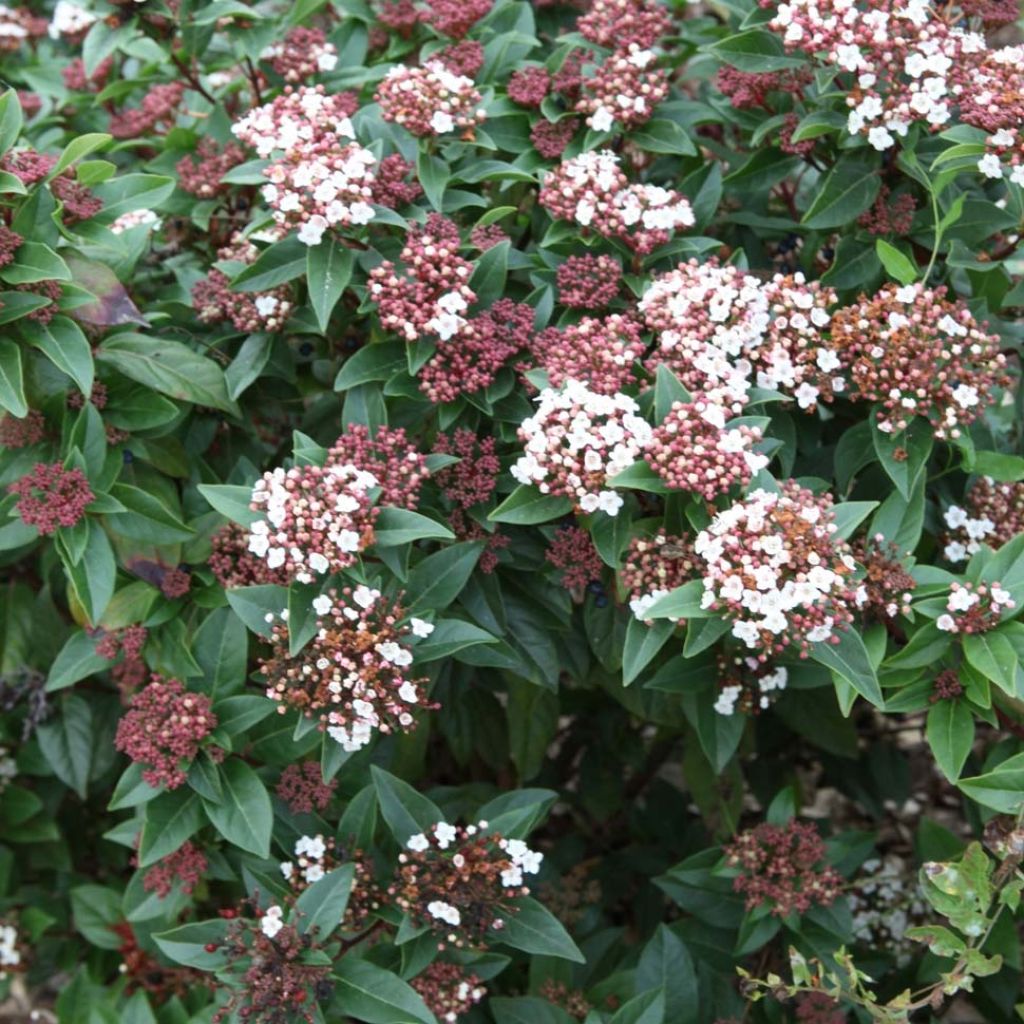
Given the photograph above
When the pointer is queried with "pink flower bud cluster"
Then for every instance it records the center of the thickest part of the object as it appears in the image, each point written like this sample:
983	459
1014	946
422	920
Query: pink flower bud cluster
163	729
454	18
303	53
781	867
993	516
774	567
592	191
433	292
487	236
352	675
9	243
469	361
430	100
623	91
576	441
234	565
390	188
529	86
654	566
214	299
159	108
76	79
465	58
50	496
618	24
389	456
890	215
78	202
746	89
471	480
304	789
588	282
185	868
993	100
449	990
317	519
322	178
200	173
696	450
919	354
550	138
24	432
974	608
572	550
601	352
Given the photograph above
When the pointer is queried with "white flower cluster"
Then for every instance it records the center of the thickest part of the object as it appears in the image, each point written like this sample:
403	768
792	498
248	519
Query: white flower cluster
324	56
137	218
319	506
272	921
963	600
577	440
309	860
430	99
444	836
10	955
773	682
765	558
973	530
69	19
444	912
997	84
524	861
292	122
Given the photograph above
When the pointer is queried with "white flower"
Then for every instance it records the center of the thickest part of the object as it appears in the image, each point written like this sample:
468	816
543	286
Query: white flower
407	692
602	120
418	842
312	230
946	623
318	562
270	922
322	604
991	166
442	122
420	627
955	517
445	834
444	912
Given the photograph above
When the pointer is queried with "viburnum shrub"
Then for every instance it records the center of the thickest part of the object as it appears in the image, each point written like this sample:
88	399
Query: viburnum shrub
511	511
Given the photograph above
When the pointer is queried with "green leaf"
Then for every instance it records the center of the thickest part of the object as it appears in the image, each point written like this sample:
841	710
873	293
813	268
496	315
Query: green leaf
646	1008
276	265
534	929
897	264
436	581
67	743
16	305
849	659
187	944
526	506
756	50
328	271
527	1010
35	261
231	501
433	174
849	515
167	366
660	135
666	965
950	733
96	910
999	466
79	147
171	819
1002	789
995	657
133	192
378	361
406	811
146	519
221	649
682	603
372	994
395	526
490	273
76	661
905	455
244	817
12	384
642	645
322	905
847	191
93	575
253	604
449	637
11	120
64	344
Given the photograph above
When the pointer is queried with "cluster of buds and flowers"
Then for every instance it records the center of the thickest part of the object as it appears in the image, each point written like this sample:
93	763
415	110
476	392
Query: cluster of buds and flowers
304	789
23	432
994	514
747	685
430	100
10	949
469	360
623	91
389	456
995	102
889	214
391	189
696	450
200	173
528	86
461	881
318	519
946	686
50	496
127	642
430	297
918	354
321	177
885	590
624	23
454	18
214	299
303	53
577	440
885	902
572	551
159	108
654	566
234	565
781	867
352	675
135	219
974	608
449	990
774	566
276	972
592	191
163	729
471	480
601	352
69	19
588	282
184	867
316	856
747	89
